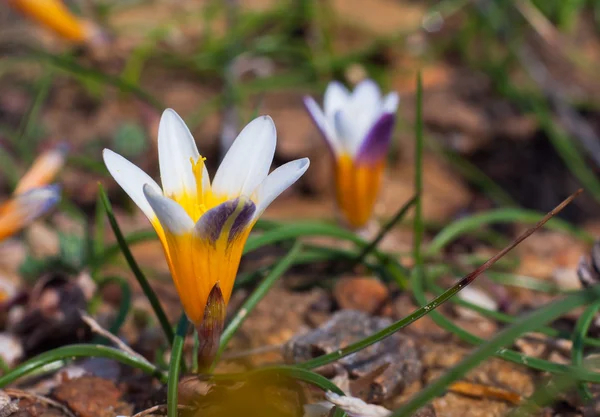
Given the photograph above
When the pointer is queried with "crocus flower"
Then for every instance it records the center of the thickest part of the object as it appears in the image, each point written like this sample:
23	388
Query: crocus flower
203	224
357	127
43	170
54	15
22	209
33	196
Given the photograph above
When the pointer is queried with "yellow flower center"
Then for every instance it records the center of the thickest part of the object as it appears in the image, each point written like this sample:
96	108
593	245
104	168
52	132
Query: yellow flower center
199	201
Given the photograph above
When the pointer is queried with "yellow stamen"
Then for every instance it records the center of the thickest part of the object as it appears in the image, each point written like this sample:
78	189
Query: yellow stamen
54	15
199	201
357	187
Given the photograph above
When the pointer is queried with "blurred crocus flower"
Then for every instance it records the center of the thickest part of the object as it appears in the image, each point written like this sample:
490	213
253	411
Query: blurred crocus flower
358	128
55	16
43	170
33	197
203	224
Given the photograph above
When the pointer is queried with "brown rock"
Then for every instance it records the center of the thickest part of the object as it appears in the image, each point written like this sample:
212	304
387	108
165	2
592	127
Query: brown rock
376	372
361	293
91	396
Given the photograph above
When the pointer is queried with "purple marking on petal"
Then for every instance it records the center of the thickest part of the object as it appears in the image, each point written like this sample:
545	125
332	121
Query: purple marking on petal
243	218
211	224
377	142
38	201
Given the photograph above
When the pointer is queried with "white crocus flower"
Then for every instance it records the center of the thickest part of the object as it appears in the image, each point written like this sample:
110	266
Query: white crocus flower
33	197
203	224
358	127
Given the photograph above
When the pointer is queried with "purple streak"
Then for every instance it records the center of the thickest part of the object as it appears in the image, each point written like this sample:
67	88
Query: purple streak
375	146
211	224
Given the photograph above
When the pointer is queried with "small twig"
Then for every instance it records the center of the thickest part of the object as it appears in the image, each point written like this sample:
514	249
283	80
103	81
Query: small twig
12	392
466	280
96	328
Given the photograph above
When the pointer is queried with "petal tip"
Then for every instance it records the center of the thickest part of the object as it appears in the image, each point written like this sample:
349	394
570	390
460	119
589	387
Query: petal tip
304	163
149	191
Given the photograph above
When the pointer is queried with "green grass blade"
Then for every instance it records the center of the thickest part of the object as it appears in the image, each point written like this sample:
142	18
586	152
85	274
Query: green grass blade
71	66
507	215
137	272
418	227
175	366
80	351
385	229
509	319
579	338
125	300
503	338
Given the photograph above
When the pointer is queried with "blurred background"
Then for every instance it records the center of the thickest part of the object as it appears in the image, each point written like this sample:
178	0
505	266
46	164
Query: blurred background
510	90
511	108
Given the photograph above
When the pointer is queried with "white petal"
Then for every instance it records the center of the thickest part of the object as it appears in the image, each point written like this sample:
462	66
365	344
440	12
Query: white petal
176	149
172	216
354	121
390	103
336	97
349	131
248	160
325	125
131	179
278	181
367	93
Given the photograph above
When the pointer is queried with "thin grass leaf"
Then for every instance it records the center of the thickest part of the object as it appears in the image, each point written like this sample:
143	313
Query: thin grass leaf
509	215
299	229
396	218
418	227
80	351
4	367
26	139
505	337
137	272
430	307
507	318
579	338
195	349
71	66
175	366
99	233
125	303
522	281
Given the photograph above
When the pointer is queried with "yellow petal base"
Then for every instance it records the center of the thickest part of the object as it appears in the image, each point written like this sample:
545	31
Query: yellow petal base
197	264
357	187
